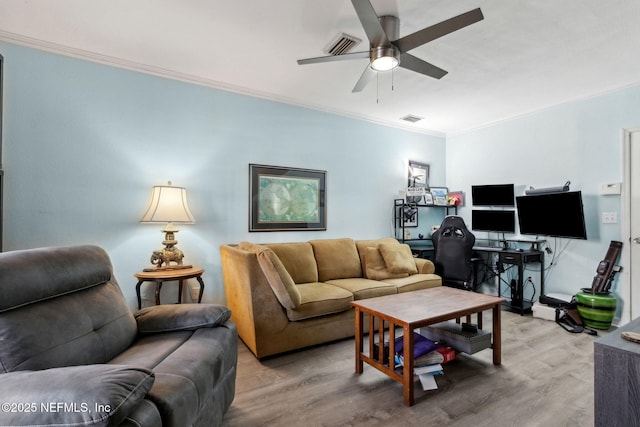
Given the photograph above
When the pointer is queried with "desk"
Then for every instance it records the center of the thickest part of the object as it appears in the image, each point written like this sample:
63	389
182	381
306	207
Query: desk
161	276
520	259
423	248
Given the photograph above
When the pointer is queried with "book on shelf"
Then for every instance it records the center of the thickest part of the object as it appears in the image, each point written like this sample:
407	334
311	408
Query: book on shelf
440	355
421	345
447	353
435	369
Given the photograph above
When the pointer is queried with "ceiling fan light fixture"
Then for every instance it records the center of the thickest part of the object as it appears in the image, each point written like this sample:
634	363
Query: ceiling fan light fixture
384	58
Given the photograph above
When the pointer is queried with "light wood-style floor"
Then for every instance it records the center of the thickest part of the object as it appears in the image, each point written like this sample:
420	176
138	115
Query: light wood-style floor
546	379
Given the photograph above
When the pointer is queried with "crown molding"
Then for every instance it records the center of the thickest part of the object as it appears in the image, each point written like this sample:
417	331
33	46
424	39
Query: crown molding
82	54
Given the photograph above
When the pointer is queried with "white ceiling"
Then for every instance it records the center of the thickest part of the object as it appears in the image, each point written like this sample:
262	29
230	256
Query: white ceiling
524	56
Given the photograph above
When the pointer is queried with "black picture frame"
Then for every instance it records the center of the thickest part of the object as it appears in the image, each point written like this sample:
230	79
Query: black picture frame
410	215
417	176
286	199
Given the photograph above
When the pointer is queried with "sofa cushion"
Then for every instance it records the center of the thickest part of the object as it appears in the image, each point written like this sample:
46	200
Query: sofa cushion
398	258
362	245
277	275
189	368
364	288
60	271
415	282
319	299
336	259
298	260
375	268
101	327
182	317
95	395
50	283
425	266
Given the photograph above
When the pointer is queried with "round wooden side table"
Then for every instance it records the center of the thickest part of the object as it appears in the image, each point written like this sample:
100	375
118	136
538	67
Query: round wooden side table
161	276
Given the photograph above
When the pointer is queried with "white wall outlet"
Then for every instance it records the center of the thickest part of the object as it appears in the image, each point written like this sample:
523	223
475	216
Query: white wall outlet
609	217
610	189
194	292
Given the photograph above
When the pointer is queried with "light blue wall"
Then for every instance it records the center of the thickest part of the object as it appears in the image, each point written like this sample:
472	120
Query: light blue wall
84	143
580	142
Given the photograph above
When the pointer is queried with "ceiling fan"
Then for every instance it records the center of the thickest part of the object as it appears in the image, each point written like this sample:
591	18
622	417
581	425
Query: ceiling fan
387	51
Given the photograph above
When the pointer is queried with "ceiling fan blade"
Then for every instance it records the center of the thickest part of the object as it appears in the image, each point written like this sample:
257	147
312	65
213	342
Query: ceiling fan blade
433	32
364	79
369	20
412	63
333	58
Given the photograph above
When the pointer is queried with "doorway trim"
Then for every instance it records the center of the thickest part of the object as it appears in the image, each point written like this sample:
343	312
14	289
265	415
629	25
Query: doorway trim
633	310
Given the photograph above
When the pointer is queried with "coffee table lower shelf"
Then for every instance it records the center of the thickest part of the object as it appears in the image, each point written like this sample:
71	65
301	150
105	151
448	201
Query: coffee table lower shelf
410	311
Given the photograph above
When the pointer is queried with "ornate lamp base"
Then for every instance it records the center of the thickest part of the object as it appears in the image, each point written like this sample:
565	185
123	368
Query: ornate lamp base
169	254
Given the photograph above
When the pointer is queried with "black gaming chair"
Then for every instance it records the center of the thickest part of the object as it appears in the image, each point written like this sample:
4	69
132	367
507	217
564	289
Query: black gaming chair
453	246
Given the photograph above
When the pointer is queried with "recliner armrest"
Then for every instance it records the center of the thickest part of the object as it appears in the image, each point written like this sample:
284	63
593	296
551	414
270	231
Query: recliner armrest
180	317
91	395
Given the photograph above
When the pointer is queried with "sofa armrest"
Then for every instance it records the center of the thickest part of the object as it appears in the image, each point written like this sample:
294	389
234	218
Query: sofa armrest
425	266
87	395
180	317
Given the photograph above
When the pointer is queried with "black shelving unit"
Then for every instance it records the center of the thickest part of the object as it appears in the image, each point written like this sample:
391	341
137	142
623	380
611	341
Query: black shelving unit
399	206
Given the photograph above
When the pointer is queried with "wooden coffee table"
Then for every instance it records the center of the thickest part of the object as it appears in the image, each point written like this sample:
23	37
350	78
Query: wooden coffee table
411	310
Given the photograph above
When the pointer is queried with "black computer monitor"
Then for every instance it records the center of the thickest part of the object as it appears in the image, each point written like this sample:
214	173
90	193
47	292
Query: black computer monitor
553	214
493	195
493	221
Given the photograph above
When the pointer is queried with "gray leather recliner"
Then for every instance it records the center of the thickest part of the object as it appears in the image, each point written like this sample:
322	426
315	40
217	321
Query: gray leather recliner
72	353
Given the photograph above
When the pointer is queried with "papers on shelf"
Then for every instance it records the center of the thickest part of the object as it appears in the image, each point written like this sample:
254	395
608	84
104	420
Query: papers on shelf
428	382
427	374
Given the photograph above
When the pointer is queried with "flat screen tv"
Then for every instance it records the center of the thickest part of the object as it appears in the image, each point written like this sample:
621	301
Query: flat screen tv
497	221
493	195
553	214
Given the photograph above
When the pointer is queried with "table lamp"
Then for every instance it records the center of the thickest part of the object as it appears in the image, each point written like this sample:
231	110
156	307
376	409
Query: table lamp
168	204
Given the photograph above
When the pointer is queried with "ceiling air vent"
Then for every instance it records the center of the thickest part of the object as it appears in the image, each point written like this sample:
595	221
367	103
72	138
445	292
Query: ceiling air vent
411	119
342	44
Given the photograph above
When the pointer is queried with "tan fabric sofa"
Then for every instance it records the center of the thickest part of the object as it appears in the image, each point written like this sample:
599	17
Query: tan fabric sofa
286	296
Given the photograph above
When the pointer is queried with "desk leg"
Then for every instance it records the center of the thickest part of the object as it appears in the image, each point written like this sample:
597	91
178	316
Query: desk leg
359	339
199	279
138	294
497	339
521	286
158	289
180	285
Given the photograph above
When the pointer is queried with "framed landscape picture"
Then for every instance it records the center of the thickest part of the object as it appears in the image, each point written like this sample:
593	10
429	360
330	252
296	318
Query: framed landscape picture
440	196
286	199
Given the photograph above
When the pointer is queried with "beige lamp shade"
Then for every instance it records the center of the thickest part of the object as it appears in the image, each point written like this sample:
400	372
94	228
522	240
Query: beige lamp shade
168	204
